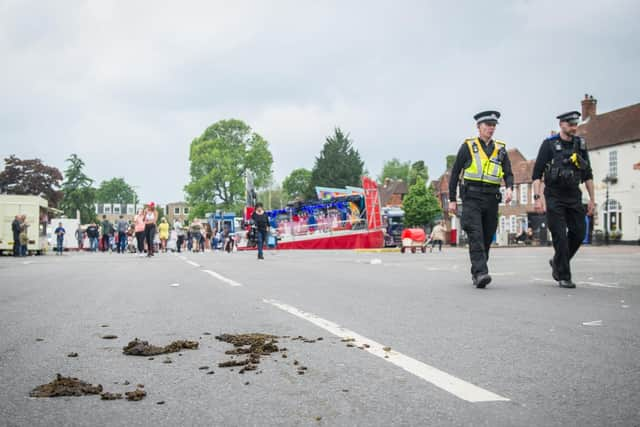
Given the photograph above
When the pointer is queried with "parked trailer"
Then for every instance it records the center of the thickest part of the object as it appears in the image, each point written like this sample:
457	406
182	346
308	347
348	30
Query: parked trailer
37	211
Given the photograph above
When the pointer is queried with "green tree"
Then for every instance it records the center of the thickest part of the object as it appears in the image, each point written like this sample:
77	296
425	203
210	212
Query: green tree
420	205
116	190
395	169
31	176
338	165
220	159
418	169
272	198
451	159
296	184
79	195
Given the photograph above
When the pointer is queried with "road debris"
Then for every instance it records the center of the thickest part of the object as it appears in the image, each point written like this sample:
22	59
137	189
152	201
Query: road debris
109	337
135	395
110	396
253	345
72	355
65	386
143	348
593	323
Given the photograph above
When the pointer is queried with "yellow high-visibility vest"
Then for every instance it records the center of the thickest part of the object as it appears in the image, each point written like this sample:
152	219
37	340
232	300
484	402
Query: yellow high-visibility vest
483	168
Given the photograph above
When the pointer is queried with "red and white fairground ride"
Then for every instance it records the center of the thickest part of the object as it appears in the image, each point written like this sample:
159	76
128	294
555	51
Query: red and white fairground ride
341	219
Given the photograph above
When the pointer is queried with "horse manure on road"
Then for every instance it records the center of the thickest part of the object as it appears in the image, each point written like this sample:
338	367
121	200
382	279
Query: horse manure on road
143	348
254	346
136	395
65	386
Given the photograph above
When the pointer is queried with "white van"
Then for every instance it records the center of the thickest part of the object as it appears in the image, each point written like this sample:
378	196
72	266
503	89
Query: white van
37	211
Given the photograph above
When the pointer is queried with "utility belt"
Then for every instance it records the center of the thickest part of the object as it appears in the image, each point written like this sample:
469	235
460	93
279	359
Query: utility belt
562	177
489	189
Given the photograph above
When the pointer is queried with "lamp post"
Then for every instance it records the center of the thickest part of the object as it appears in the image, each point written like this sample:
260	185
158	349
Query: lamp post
607	180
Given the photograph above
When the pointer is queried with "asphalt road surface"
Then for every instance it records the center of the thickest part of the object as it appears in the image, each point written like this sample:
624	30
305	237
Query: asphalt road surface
406	340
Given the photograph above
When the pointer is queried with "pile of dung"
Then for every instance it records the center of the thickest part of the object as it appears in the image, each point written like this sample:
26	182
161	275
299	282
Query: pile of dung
136	395
253	345
143	348
65	386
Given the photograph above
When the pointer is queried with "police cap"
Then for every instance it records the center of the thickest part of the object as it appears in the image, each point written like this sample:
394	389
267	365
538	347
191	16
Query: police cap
572	117
487	117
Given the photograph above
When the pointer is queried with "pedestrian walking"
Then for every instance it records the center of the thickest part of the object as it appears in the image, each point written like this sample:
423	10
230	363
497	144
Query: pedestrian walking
59	232
93	234
178	227
485	164
79	235
163	231
261	222
150	219
196	234
122	226
563	162
107	231
138	228
16	225
437	236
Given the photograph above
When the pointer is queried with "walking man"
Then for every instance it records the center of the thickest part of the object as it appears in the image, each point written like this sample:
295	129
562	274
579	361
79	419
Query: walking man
93	234
107	230
563	161
485	164
15	228
122	225
60	232
261	221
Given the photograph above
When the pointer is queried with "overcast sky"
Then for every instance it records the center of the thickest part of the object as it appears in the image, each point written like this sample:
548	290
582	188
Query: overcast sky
127	85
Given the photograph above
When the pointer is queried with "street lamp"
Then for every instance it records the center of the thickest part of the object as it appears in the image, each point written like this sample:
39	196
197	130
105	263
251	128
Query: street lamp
609	179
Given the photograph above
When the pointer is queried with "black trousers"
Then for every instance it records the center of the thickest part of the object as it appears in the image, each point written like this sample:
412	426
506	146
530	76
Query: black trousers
16	244
566	220
149	234
480	221
140	241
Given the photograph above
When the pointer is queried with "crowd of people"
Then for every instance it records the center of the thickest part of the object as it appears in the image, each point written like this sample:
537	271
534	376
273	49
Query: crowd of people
147	235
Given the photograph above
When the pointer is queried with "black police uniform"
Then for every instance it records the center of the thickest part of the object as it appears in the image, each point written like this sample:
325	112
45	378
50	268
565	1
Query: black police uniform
479	205
565	211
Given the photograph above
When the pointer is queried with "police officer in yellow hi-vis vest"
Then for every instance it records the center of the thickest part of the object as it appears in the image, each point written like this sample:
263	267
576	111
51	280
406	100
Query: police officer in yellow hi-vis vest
486	164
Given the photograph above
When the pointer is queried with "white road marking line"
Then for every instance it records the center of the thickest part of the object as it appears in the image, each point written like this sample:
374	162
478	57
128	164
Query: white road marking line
195	264
596	284
174	285
593	323
508	273
456	386
222	278
601	285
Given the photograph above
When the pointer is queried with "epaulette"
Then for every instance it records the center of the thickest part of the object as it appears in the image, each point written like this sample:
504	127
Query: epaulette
553	137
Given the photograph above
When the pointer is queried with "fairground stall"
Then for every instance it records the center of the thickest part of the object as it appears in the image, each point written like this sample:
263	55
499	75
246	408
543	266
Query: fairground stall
346	218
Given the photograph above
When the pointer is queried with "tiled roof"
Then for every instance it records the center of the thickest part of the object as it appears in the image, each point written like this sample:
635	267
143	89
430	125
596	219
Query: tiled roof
612	128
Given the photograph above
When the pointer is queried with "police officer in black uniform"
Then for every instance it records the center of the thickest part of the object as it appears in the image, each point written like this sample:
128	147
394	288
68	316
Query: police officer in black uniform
563	161
486	164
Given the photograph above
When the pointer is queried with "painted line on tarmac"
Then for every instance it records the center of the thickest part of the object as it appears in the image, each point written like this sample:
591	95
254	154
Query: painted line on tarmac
456	386
195	264
595	284
222	278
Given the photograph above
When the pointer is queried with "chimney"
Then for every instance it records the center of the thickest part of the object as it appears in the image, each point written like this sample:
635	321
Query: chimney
588	106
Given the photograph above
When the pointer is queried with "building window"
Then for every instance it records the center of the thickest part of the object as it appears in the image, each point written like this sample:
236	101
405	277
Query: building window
107	209
513	224
524	194
503	223
613	216
186	211
176	211
502	193
613	163
116	209
131	209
